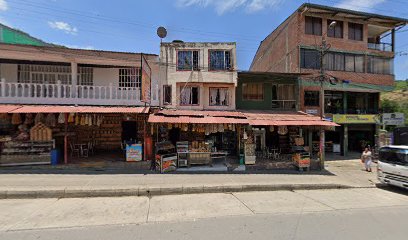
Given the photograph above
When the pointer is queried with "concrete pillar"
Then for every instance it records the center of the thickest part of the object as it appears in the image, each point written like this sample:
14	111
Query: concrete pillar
345	97
310	140
74	76
345	140
322	148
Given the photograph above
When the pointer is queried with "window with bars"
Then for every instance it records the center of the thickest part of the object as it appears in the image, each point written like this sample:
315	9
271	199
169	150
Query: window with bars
220	60
188	60
44	74
130	78
167	94
85	76
252	91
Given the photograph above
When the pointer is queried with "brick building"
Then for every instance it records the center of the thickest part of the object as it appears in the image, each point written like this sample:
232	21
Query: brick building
359	62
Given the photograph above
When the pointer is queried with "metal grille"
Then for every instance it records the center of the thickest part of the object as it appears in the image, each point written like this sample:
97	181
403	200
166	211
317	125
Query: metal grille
43	74
85	76
129	78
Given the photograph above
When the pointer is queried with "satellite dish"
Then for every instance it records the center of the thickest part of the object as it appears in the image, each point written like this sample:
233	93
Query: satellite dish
161	32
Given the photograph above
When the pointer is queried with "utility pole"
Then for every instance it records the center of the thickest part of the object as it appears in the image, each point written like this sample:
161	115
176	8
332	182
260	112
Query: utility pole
323	49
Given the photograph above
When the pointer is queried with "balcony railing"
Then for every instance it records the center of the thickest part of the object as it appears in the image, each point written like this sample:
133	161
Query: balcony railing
387	47
284	104
32	93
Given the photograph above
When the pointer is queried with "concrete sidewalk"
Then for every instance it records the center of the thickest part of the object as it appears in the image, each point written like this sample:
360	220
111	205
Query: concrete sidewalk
338	174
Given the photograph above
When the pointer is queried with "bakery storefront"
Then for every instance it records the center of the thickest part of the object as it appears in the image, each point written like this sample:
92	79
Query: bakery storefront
36	135
196	140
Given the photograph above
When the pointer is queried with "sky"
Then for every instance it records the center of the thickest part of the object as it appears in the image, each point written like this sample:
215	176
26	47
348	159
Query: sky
126	25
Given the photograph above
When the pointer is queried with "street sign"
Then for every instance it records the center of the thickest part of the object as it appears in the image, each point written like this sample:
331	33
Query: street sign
396	119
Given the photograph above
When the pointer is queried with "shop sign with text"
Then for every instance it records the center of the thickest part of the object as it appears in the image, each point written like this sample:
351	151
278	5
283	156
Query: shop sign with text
356	118
396	119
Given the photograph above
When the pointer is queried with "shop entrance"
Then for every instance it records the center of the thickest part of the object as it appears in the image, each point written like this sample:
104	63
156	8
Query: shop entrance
129	131
360	136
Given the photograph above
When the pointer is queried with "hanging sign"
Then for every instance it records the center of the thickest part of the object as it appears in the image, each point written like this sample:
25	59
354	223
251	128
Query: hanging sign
146	80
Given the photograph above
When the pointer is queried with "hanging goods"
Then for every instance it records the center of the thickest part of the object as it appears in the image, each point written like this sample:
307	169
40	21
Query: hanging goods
61	118
271	129
29	119
50	120
16	119
39	118
283	130
77	119
71	118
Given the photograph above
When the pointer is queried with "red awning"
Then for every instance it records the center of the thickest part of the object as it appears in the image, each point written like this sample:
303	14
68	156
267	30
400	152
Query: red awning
197	120
263	118
69	109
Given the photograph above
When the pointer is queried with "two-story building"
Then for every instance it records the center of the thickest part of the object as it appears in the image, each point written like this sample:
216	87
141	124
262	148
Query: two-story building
358	62
198	76
85	100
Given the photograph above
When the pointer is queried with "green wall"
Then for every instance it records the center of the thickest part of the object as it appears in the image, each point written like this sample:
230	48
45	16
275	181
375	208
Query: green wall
13	36
266	103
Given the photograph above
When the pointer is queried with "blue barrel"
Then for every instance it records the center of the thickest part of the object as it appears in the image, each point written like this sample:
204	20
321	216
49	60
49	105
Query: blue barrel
54	156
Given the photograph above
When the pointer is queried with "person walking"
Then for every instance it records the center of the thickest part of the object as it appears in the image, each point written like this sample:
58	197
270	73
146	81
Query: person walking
367	159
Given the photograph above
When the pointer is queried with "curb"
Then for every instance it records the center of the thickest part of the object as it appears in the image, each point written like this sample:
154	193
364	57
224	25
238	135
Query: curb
158	191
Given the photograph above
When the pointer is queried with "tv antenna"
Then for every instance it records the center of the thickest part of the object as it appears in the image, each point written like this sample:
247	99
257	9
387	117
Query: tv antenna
161	32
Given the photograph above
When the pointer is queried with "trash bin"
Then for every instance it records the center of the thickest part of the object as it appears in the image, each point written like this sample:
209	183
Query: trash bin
54	156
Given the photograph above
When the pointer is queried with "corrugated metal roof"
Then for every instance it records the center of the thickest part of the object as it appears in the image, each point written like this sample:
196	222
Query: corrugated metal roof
291	123
197	120
69	109
169	112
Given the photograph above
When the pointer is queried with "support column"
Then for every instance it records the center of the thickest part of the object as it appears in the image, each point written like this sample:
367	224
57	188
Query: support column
322	148
345	140
393	39
66	139
345	99
74	77
310	141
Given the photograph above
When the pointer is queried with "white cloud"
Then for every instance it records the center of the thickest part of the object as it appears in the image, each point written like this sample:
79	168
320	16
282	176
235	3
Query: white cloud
224	6
3	5
63	26
79	47
360	5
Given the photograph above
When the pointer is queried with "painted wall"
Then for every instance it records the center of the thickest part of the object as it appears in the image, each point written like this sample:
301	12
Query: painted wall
170	76
266	103
12	36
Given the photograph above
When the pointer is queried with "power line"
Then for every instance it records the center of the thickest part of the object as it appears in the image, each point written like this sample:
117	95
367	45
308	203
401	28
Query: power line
135	23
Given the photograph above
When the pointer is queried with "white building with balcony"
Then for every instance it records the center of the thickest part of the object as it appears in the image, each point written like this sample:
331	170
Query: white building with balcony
65	76
198	76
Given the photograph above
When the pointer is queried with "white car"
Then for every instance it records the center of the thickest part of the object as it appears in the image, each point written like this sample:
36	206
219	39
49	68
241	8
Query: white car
393	166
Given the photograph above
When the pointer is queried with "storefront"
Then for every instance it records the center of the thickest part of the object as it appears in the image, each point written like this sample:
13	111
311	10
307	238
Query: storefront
284	140
355	133
196	138
67	134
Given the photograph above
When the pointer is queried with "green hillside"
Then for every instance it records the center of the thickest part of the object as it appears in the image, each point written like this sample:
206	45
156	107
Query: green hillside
397	100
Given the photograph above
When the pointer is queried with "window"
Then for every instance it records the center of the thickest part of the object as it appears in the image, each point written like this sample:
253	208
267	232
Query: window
252	91
355	31
167	94
334	61
312	98
336	31
380	65
129	78
85	76
44	74
309	59
187	61
354	63
189	96
220	60
219	96
313	26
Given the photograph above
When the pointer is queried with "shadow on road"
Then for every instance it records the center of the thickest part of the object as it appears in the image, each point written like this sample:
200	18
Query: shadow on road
393	189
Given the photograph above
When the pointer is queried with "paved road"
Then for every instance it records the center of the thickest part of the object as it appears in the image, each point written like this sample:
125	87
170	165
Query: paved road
317	214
